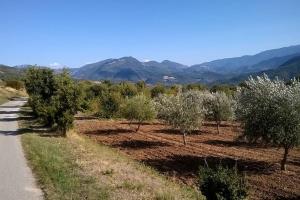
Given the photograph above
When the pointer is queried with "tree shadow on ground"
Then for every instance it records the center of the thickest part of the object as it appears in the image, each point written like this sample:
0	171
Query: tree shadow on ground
143	123
8	119
9	106
176	131
85	118
294	162
140	144
234	143
10	133
213	124
189	165
287	198
10	112
108	131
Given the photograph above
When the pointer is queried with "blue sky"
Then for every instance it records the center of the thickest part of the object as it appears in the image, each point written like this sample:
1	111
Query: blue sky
76	32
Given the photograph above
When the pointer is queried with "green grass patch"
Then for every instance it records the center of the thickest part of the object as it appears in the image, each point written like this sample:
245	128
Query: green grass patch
56	169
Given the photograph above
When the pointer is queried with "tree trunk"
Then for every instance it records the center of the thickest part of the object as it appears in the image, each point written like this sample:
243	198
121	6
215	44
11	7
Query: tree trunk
138	128
218	127
285	155
184	138
64	132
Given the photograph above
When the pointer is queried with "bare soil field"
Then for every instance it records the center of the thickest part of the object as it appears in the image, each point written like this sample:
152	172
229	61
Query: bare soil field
162	148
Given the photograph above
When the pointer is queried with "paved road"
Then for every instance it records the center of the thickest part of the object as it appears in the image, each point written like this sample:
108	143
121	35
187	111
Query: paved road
16	179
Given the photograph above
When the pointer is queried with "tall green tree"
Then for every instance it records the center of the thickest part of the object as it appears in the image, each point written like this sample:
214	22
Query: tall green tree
66	101
40	85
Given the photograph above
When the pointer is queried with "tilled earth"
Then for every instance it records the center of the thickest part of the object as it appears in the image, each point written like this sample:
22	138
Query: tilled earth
161	147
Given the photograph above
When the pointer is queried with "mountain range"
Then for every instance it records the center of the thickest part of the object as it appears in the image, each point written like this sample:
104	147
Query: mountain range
283	63
227	70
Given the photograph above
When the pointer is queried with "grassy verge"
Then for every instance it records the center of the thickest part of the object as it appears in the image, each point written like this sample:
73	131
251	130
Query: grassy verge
78	168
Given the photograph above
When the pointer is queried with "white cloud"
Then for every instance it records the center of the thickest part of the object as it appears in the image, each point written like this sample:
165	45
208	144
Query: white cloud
146	60
56	65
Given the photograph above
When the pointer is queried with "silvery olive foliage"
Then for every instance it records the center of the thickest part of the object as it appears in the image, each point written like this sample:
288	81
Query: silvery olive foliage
139	109
219	107
183	111
270	112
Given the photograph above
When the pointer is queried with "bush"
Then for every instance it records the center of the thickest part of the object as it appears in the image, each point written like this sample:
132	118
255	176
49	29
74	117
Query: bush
139	109
269	111
195	86
157	90
222	184
14	84
230	90
128	89
110	105
184	111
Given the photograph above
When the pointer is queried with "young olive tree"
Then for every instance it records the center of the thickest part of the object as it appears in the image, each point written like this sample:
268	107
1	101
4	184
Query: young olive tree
270	112
184	111
138	108
219	107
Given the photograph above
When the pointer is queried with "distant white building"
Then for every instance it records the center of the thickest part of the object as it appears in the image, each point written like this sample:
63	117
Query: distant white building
169	78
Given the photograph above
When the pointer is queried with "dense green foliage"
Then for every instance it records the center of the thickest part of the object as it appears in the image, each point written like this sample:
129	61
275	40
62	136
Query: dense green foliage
40	86
55	99
227	89
270	111
66	101
222	184
138	108
110	105
157	90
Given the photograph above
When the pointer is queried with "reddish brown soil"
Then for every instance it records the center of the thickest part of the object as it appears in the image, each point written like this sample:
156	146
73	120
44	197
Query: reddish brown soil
160	147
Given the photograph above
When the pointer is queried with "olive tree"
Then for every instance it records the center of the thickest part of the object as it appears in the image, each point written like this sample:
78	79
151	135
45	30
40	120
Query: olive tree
184	111
138	108
220	107
270	113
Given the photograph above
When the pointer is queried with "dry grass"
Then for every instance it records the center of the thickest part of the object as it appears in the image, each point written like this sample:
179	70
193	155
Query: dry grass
126	178
78	168
6	93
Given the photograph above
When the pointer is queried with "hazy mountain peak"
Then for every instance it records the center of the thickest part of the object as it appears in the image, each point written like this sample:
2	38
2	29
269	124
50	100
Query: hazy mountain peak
128	59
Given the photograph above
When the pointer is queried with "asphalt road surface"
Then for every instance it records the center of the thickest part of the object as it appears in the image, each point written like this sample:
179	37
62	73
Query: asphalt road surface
16	179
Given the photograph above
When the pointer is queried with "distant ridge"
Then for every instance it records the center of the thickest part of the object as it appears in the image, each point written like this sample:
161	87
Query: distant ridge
245	63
